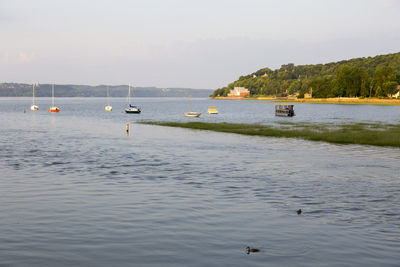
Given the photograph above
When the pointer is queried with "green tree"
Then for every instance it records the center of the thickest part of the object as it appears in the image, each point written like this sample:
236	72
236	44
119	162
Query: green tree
321	86
352	81
294	87
389	88
384	81
379	91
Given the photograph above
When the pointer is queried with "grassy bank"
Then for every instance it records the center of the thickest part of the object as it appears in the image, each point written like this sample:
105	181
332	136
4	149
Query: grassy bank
339	100
349	101
360	133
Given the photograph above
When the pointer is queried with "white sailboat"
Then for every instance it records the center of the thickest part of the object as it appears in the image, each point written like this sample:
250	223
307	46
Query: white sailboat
192	113
131	108
33	107
108	107
53	108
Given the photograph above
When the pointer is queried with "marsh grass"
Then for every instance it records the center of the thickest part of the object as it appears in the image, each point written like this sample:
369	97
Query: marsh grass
358	133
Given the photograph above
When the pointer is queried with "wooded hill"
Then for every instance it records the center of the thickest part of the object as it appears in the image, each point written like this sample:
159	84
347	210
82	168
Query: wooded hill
44	90
376	76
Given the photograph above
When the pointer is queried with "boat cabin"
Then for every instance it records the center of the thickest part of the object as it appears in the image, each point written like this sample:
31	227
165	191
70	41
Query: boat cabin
284	110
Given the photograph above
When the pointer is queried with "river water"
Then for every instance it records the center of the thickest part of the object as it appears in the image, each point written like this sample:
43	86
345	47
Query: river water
76	190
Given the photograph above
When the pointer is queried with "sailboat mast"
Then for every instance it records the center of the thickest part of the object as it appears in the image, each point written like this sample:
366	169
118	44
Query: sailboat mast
52	95
129	94
108	96
189	103
33	94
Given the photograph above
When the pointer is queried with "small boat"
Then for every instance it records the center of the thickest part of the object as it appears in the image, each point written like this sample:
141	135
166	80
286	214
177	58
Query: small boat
192	114
108	107
284	110
131	108
33	107
212	110
53	108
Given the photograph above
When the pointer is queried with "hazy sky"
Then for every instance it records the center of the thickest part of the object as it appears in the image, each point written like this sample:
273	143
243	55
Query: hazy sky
185	43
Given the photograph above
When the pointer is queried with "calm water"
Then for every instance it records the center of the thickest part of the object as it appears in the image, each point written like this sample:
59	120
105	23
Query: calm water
75	190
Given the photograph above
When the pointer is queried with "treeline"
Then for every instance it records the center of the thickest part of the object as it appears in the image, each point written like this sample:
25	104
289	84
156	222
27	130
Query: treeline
376	76
44	90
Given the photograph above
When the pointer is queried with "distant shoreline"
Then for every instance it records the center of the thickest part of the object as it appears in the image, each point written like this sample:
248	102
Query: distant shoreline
337	100
101	97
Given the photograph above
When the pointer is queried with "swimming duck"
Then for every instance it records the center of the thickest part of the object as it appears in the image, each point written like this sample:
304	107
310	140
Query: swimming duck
252	250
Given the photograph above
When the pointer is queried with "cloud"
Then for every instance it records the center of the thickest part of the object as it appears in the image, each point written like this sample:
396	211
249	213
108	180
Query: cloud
26	57
6	58
391	3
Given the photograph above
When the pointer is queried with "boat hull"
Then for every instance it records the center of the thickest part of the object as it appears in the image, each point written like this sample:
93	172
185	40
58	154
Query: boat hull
108	108
285	114
192	114
54	109
34	107
132	110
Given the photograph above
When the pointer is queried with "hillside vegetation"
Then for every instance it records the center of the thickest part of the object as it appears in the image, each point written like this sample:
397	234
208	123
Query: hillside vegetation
376	76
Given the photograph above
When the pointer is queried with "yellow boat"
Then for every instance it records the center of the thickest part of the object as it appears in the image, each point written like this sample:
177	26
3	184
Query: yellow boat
212	110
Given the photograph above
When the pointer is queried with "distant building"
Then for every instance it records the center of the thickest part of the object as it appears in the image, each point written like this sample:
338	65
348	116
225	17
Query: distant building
307	95
239	92
397	94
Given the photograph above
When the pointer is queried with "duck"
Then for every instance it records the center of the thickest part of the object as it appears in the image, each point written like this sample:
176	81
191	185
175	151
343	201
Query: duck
252	250
298	211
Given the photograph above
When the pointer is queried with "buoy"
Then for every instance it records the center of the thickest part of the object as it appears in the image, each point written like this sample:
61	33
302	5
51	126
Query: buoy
127	128
299	212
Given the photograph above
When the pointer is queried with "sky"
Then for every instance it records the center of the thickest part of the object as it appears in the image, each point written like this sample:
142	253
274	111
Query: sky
202	44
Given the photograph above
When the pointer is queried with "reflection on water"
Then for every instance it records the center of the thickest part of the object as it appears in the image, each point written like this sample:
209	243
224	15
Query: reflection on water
76	190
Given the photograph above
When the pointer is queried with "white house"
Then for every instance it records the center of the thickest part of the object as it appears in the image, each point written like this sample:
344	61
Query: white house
239	92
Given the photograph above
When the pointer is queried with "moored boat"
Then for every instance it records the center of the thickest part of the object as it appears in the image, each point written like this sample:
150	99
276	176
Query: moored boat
212	110
191	114
108	107
131	108
33	106
53	108
284	110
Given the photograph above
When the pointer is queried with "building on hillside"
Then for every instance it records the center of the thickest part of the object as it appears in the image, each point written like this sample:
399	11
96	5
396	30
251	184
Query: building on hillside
397	94
306	95
239	92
